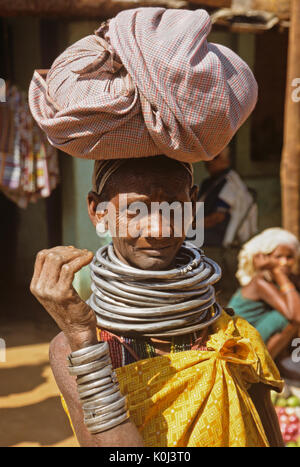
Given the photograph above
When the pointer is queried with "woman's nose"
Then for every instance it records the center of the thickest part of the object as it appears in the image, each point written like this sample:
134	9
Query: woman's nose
158	225
283	261
155	225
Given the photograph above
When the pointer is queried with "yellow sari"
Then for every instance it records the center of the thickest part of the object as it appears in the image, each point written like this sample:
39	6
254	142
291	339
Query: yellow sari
200	398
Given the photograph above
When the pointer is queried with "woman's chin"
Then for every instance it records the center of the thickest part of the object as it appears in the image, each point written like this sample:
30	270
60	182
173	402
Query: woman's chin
153	263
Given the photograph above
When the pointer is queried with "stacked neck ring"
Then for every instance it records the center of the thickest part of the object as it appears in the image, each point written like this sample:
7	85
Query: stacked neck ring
135	302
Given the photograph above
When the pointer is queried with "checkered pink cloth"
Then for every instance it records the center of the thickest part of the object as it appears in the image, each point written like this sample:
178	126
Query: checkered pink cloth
149	83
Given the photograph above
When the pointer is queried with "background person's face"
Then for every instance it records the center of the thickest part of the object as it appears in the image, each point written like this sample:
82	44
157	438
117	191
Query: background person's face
219	163
285	257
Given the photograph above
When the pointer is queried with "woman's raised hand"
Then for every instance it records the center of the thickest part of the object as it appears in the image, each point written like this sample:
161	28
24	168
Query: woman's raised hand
51	284
264	262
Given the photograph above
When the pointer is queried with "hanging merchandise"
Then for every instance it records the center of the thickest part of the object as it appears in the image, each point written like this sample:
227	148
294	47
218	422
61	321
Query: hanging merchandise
28	163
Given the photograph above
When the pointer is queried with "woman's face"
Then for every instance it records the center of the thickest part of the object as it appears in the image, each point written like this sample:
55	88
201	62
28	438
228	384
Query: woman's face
145	236
285	257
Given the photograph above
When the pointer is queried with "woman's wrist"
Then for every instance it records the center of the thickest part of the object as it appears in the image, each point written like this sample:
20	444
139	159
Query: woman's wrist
287	287
104	406
80	338
280	277
81	331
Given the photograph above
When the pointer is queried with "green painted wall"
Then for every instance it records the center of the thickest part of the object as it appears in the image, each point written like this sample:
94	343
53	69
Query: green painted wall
77	175
77	227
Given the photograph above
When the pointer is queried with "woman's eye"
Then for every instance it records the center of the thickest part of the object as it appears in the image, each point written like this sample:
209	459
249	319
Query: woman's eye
132	213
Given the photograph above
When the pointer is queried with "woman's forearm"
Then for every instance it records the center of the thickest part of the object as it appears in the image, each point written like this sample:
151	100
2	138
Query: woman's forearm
290	295
292	299
123	435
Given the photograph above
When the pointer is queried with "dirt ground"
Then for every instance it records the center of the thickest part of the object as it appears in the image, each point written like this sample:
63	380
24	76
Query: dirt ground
31	414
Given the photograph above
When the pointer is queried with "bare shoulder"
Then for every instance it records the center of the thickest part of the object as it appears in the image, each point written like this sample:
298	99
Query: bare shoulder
251	290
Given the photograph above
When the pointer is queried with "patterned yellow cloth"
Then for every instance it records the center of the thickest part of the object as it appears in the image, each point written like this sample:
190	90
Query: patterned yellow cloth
199	398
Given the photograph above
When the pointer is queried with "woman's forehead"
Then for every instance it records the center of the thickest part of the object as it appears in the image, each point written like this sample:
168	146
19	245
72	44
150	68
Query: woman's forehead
151	182
284	249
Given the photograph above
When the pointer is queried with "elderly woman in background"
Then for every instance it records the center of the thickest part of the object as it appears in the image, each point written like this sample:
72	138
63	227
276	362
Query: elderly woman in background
269	298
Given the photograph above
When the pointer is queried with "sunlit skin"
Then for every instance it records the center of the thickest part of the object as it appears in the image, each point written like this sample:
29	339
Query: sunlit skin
55	268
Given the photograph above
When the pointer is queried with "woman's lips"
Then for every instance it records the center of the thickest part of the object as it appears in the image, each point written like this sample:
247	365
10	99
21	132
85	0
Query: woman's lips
156	251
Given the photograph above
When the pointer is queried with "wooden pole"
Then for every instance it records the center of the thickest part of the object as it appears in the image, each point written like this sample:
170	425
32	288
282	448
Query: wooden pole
290	164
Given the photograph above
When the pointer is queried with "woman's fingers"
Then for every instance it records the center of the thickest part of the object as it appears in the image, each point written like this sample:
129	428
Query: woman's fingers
69	269
52	264
55	259
52	286
38	266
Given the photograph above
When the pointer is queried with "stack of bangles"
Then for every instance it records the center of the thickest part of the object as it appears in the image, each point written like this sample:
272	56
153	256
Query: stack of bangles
103	405
287	288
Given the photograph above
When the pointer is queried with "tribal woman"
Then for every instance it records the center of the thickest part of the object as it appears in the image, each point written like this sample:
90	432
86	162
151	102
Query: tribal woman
150	359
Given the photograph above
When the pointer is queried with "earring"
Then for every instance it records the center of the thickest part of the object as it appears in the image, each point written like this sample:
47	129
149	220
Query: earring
101	229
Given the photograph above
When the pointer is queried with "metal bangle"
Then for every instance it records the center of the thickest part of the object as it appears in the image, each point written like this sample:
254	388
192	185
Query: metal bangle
93	412
104	361
103	405
96	354
99	392
96	396
105	417
93	377
108	425
287	288
103	401
90	367
95	384
81	352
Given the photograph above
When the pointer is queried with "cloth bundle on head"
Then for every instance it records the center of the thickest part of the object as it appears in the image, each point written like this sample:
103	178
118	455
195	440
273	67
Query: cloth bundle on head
147	83
266	242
